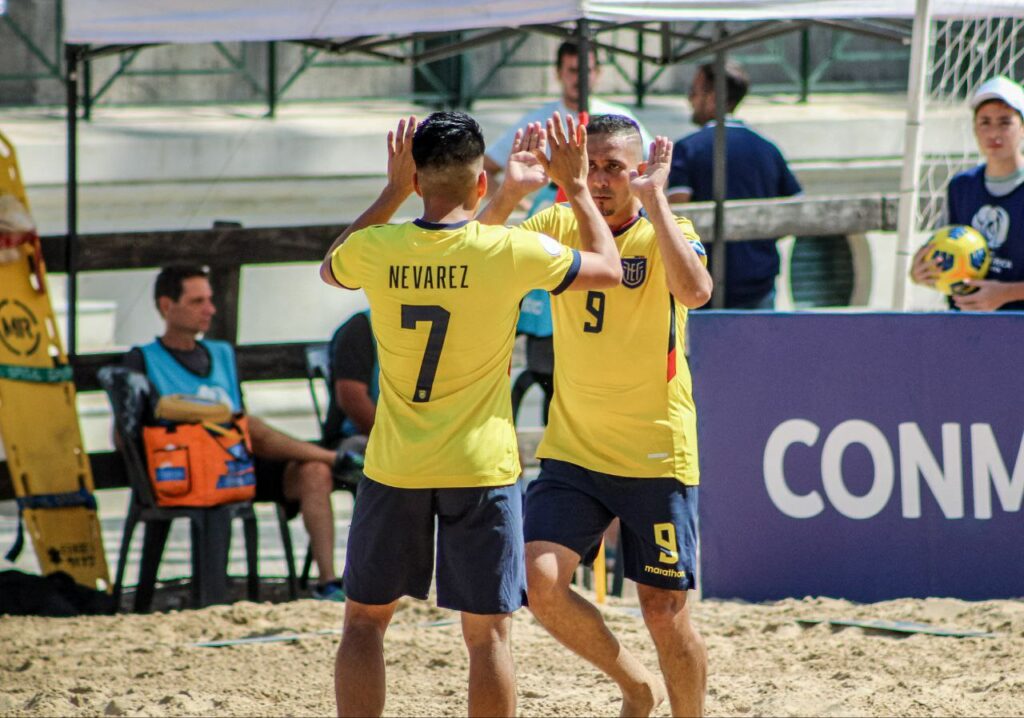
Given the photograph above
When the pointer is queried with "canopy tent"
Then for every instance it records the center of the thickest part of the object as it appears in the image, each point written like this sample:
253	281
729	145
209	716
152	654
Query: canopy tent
183	21
97	27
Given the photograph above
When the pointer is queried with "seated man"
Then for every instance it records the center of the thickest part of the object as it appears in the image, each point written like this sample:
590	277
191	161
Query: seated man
287	469
355	385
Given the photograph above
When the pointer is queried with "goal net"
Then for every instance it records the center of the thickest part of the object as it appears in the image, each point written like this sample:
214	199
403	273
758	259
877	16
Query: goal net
963	54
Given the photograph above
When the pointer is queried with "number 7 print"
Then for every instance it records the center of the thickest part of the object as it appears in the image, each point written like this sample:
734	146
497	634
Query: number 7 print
413	314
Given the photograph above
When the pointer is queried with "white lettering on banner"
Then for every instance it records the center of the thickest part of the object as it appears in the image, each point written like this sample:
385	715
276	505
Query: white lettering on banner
917	461
946	481
987	463
789	432
868	435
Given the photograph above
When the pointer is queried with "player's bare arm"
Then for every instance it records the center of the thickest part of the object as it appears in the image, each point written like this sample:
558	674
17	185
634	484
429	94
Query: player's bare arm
401	171
600	265
688	279
524	173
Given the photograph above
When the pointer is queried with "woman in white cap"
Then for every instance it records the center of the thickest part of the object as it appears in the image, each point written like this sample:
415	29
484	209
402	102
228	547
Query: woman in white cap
990	198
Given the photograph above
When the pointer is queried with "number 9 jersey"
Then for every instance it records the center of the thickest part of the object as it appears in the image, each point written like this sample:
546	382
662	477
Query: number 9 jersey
444	301
623	402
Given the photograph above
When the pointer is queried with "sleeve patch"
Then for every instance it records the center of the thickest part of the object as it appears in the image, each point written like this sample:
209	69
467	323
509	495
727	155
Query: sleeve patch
551	245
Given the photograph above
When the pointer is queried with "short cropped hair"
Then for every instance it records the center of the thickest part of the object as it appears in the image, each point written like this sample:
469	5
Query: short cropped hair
616	126
447	139
613	125
570	48
171	281
448	149
737	82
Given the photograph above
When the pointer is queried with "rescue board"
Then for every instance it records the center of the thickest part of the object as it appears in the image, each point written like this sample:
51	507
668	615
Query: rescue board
39	425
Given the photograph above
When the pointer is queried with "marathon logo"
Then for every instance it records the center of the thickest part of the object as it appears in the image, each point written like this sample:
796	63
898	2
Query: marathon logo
19	328
661	571
634	271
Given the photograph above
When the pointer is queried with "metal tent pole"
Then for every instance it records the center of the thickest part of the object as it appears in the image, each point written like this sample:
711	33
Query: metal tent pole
719	180
583	43
72	56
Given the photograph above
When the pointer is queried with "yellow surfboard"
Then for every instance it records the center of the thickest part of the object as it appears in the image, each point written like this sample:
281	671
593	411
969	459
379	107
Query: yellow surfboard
38	416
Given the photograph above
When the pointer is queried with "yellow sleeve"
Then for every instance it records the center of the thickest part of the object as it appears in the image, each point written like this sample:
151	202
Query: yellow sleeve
557	221
693	238
542	262
346	263
544	221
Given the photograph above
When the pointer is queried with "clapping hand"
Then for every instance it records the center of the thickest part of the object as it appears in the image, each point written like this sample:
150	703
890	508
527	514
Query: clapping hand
568	165
655	174
401	167
524	172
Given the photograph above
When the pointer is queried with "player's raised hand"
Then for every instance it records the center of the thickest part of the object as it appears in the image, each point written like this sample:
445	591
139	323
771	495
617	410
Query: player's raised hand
655	174
524	171
569	163
401	167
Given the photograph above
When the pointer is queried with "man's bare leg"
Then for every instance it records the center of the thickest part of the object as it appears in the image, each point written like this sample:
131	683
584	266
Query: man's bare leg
681	652
310	484
578	625
359	686
492	675
269	443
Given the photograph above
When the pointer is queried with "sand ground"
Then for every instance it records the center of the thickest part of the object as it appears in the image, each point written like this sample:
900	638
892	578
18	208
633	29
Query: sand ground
762	662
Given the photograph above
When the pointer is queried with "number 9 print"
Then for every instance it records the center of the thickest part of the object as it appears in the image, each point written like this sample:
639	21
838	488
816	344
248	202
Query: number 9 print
665	537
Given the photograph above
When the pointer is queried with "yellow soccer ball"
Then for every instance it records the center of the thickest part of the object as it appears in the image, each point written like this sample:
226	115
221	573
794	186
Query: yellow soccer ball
961	253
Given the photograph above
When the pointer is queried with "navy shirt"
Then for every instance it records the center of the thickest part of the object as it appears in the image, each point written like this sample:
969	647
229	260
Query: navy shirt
353	355
755	169
999	219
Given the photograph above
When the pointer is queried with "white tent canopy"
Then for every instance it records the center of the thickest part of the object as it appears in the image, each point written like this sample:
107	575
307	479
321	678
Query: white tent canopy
184	21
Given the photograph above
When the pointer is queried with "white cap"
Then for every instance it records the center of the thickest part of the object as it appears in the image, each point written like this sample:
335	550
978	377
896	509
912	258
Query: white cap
1003	89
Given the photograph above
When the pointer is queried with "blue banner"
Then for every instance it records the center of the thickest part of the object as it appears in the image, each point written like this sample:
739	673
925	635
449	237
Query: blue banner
861	456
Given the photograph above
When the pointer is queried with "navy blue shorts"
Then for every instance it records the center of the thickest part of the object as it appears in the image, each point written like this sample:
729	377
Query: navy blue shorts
480	558
572	506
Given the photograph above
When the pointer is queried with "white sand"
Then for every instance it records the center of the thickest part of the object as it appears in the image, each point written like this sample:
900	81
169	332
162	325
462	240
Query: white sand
761	662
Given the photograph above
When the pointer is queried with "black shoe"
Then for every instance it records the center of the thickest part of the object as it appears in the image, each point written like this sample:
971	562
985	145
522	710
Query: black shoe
347	469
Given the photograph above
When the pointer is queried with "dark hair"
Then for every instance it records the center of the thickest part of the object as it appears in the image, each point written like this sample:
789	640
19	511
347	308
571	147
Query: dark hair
613	125
571	48
737	83
170	282
447	139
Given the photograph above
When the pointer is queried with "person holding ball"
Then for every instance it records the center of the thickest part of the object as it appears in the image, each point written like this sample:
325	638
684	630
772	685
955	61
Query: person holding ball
990	198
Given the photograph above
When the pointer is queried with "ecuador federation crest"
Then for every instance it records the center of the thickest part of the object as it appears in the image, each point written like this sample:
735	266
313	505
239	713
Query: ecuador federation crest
634	271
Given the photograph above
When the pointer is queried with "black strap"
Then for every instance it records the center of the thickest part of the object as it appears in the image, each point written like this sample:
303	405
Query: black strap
46	501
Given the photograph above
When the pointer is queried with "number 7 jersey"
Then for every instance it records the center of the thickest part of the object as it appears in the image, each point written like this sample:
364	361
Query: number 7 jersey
444	301
623	402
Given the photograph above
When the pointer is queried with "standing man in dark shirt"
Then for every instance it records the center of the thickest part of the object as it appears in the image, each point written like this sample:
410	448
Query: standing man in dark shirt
355	385
287	469
755	169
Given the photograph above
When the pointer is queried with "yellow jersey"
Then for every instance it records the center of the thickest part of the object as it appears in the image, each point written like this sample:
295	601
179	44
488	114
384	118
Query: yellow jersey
445	301
623	401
